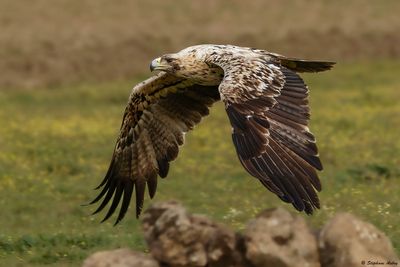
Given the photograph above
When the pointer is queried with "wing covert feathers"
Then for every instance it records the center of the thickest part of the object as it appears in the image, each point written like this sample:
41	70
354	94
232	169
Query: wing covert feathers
152	130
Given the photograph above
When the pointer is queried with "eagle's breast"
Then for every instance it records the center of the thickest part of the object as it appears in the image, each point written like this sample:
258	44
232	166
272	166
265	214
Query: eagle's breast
201	73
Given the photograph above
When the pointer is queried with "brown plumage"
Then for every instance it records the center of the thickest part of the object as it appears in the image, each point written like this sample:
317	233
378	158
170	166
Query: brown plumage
266	103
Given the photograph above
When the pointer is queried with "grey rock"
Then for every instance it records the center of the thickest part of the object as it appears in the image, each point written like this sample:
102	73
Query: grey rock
347	241
278	238
176	238
120	258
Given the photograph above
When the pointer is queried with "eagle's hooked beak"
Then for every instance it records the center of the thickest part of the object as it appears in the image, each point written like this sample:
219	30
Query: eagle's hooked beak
155	64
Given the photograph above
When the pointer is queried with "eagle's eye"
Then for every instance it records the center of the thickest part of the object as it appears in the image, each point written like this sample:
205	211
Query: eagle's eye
168	59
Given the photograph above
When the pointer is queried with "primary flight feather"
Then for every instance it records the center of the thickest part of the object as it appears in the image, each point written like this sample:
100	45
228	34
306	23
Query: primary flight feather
267	105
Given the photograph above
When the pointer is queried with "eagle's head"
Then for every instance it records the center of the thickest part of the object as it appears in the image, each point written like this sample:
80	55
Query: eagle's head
190	64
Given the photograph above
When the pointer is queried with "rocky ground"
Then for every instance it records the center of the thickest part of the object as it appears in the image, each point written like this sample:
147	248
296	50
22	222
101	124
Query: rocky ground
275	237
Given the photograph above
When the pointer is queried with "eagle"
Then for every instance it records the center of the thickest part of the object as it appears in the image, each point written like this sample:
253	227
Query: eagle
266	102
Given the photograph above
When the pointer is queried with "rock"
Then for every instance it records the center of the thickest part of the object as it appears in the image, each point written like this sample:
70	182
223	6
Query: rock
274	238
280	239
120	258
347	241
179	239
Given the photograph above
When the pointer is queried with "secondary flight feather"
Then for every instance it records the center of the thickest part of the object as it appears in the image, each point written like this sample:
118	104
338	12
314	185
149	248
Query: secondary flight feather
267	105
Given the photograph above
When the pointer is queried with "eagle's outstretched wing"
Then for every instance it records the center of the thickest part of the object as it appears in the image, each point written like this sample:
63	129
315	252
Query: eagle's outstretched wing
159	112
267	106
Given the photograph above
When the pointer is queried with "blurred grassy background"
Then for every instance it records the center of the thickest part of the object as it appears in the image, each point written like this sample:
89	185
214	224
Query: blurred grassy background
64	41
66	72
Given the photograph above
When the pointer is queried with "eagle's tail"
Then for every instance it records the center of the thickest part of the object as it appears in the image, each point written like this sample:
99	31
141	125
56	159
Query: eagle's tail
300	65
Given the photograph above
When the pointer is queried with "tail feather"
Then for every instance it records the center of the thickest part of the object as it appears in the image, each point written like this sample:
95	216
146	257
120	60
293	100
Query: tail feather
300	65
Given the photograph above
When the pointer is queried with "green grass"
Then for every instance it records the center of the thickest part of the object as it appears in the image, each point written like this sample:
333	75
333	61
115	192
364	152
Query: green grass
56	146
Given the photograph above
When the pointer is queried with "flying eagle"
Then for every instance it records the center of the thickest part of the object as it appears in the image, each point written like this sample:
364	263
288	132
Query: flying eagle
267	105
